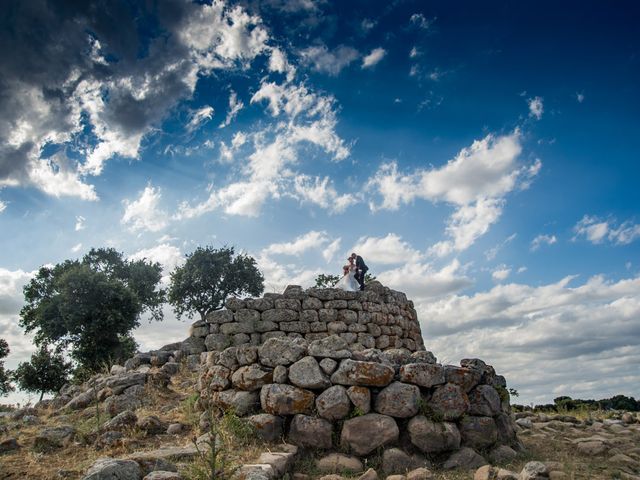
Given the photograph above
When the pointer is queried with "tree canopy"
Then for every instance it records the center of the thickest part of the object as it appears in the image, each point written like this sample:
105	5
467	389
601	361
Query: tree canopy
47	371
90	306
210	276
5	375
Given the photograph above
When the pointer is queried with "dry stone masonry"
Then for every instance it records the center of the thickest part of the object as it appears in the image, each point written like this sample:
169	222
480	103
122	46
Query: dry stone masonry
335	370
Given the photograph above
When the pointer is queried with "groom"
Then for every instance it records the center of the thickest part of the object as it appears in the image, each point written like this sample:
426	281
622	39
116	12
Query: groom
361	269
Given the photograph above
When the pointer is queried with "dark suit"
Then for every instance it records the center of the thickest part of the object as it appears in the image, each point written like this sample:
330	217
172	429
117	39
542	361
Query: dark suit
361	270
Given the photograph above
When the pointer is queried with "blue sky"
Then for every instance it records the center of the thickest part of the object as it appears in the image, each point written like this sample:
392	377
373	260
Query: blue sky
481	157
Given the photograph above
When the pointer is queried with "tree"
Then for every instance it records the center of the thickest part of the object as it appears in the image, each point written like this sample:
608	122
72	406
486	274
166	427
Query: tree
92	305
329	281
209	277
46	372
5	375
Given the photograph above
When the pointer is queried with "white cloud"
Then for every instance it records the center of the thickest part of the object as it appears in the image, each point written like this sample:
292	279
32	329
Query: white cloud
199	117
580	97
501	273
331	62
79	223
597	231
556	327
320	191
331	250
367	24
76	248
420	21
536	107
301	244
492	252
376	55
167	255
227	153
235	106
3	206
386	250
143	213
542	240
278	63
415	52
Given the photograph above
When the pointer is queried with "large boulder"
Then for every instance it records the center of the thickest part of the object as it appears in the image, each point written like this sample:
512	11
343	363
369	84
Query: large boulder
119	383
465	459
484	400
432	437
283	399
333	404
398	400
332	346
361	398
306	373
478	432
53	438
268	427
251	377
449	401
422	374
112	469
467	378
121	421
534	471
362	435
366	374
310	432
241	402
339	463
282	351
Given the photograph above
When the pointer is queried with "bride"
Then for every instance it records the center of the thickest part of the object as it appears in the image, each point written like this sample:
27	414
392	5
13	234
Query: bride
348	282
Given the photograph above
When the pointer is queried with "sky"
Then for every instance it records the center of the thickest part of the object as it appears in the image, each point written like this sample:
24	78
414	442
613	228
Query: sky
481	156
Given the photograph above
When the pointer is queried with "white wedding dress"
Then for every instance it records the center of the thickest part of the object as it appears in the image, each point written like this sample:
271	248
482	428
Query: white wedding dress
348	282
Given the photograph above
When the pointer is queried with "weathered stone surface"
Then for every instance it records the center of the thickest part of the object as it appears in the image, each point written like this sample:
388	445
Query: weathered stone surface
260	304
339	463
130	400
306	373
283	399
484	400
449	401
176	428
152	425
370	474
502	454
364	434
217	342
421	473
82	400
241	402
467	378
282	351
122	420
395	461
215	378
162	475
281	462
432	437
251	377
280	315
366	374
396	357
311	303
53	438
328	365
220	316
268	427
398	400
422	374
280	374
333	404
506	428
310	432
332	346
112	469
478	432
465	458
193	346
592	448
361	398
534	471
110	438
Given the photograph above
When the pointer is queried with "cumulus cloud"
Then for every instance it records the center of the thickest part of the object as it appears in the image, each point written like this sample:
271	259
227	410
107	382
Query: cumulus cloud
501	273
493	251
376	55
420	21
331	62
167	255
321	192
542	239
79	223
76	248
536	107
3	206
556	327
144	214
301	244
235	106
598	231
386	250
199	117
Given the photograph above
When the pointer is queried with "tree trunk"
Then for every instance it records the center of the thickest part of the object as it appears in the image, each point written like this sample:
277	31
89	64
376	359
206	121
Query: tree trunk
41	395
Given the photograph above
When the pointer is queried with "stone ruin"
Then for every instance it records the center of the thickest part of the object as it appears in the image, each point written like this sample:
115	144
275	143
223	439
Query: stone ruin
348	371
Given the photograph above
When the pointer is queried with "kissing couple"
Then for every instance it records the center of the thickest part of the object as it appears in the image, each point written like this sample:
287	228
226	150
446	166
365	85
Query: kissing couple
354	272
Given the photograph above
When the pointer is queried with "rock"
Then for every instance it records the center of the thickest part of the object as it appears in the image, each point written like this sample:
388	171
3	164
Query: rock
506	475
423	356
110	438
449	401
220	316
524	422
280	374
395	460
422	374
124	419
333	404
502	454
370	474
30	420
260	471
280	461
466	378
216	378
81	401
151	425
217	342
267	426
364	434
241	402
312	432
484	400
486	472
117	370
119	383
506	429
53	438
282	351
478	432
366	374
534	471
331	476
161	475
8	445
283	399
158	459
328	365
111	469
421	473
176	428
361	399
130	400
247	354
627	418
398	400
432	437
251	377
332	346
171	368
396	477
193	346
339	463
306	373
465	458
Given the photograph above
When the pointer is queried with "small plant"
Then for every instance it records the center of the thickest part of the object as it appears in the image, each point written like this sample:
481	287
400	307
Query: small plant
425	409
356	412
212	462
189	409
237	428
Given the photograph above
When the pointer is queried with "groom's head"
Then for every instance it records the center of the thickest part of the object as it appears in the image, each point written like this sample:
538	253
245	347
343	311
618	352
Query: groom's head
353	255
